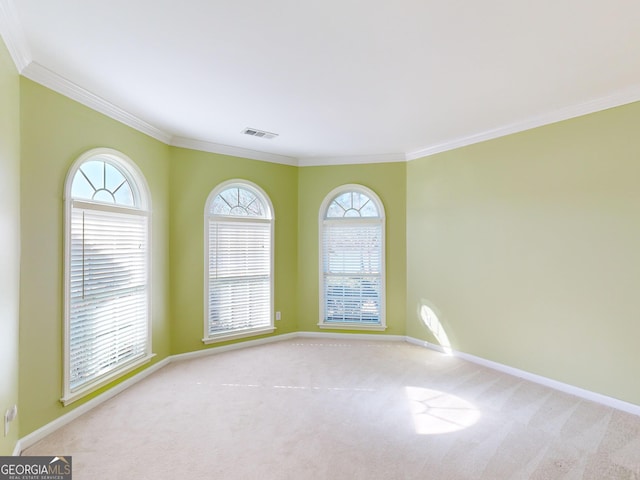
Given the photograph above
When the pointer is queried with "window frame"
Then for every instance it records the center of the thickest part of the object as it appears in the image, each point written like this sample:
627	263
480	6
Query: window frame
142	207
270	219
381	220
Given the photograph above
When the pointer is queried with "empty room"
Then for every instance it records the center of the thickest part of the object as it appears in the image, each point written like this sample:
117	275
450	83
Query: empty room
336	240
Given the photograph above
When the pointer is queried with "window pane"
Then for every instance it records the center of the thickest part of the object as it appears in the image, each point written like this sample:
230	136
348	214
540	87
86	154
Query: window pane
237	304
335	210
124	196
239	249
352	299
369	210
81	188
94	171
102	182
352	248
238	202
352	204
239	275
104	196
113	177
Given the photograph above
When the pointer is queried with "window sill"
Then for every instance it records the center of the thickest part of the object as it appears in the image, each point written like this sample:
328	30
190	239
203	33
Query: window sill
223	337
71	397
352	326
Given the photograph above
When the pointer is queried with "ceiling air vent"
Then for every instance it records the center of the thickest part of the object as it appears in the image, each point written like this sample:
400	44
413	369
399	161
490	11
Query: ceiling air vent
254	132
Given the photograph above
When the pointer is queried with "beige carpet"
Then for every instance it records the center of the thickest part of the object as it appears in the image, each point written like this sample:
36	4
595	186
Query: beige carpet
321	409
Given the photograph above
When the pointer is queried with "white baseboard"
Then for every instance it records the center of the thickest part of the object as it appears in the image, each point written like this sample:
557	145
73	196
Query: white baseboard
234	346
354	336
51	427
539	379
425	344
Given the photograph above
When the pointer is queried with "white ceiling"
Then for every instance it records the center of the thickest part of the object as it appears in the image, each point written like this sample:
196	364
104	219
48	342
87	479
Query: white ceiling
338	80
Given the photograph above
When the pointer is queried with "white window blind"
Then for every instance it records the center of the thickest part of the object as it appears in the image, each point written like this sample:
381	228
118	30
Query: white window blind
352	259
239	256
352	263
108	291
240	275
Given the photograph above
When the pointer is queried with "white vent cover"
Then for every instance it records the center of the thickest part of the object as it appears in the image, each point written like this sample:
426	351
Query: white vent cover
254	132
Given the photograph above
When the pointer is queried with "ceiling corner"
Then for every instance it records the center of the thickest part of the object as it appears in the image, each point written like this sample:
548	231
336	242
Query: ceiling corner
13	34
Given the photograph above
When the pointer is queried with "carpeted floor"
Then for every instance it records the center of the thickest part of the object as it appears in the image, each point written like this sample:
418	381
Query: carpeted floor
322	409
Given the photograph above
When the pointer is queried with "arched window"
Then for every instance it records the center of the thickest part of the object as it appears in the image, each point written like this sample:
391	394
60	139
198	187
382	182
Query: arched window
107	321
239	262
352	286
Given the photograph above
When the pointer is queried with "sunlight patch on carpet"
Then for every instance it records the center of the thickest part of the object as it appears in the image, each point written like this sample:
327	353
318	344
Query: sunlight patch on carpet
435	412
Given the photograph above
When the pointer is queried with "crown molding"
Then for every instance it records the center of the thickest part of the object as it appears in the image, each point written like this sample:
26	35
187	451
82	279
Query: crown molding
52	80
616	99
13	34
15	40
42	75
232	151
352	160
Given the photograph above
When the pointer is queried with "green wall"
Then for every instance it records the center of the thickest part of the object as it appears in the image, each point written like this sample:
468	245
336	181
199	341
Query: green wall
388	180
9	244
528	249
54	132
194	175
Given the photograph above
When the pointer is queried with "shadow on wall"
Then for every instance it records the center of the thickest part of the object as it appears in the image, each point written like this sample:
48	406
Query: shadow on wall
427	314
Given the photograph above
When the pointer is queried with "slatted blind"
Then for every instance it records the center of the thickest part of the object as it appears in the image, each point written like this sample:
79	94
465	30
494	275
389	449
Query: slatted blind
352	269
108	290
239	255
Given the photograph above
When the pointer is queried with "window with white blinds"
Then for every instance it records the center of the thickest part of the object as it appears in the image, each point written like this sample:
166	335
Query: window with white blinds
107	322
352	260
239	258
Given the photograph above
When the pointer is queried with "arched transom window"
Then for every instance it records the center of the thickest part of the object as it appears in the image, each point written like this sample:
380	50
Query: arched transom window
107	321
100	180
352	259
239	262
